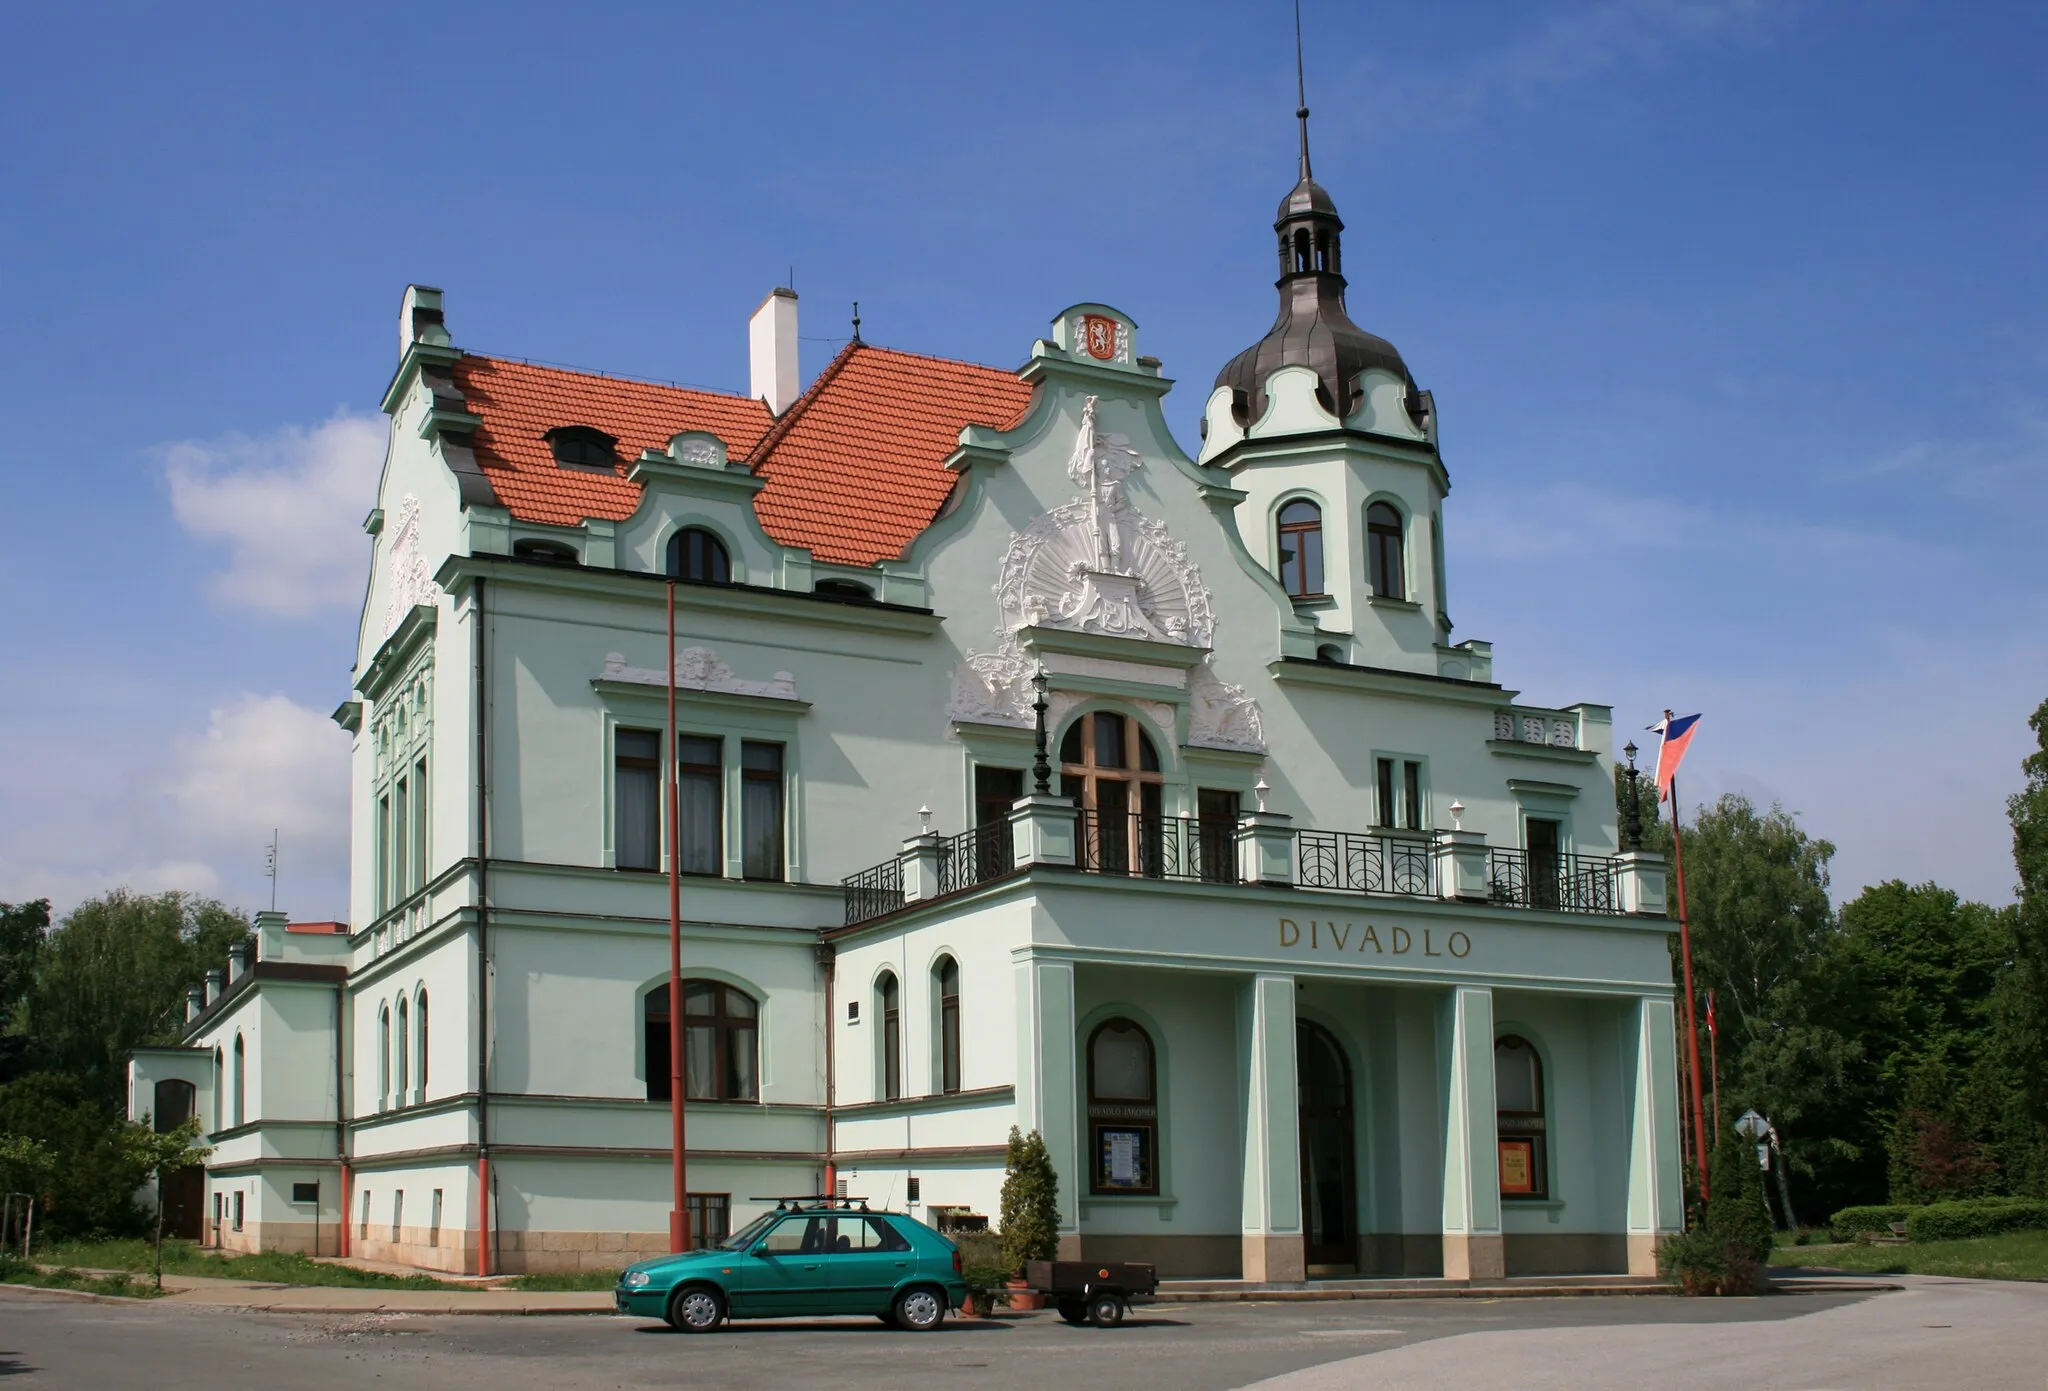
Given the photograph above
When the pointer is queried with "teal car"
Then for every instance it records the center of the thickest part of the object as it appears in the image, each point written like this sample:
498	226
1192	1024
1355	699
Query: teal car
804	1258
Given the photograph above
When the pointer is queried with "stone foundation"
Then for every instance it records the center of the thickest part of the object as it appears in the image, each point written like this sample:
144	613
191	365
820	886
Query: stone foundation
313	1239
534	1253
1474	1256
1219	1257
1568	1253
449	1249
1274	1258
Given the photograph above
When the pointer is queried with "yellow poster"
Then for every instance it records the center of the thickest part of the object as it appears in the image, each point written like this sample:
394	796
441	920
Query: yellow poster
1517	1166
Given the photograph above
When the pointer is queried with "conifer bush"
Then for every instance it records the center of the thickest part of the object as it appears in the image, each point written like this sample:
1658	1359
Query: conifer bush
1031	1212
1724	1254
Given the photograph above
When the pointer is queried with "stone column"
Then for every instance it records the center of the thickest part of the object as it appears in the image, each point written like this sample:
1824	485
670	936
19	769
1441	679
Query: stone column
1047	1072
1042	830
920	861
1461	866
1274	1247
1473	1249
1265	848
1640	884
1655	1200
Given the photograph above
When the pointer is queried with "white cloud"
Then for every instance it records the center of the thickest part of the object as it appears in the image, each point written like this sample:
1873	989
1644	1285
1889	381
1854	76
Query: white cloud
264	763
287	506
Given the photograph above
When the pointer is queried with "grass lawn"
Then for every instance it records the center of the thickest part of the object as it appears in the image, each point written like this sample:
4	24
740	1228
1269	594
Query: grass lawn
568	1280
185	1258
16	1271
2008	1256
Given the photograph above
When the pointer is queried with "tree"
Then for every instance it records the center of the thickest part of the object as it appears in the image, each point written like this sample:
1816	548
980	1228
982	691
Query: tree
23	927
91	1184
2020	1005
1764	935
1031	1208
1937	1147
113	978
159	1153
1726	1252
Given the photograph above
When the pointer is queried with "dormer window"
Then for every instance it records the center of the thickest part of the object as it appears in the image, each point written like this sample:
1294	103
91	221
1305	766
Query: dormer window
695	554
582	446
549	552
852	591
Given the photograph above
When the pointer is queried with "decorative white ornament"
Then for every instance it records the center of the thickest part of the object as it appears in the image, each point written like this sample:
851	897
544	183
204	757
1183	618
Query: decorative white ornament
699	448
1077	334
410	584
699	669
1503	725
1562	735
1223	716
1532	729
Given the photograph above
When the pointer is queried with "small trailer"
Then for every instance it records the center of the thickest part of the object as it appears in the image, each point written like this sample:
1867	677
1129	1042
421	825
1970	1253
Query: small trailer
1097	1292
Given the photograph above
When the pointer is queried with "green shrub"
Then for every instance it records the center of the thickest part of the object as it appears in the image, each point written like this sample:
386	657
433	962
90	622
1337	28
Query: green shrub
1852	1222
1726	1252
1976	1217
1031	1213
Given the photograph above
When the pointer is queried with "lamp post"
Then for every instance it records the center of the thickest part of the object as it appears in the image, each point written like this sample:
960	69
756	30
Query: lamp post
1632	824
1041	766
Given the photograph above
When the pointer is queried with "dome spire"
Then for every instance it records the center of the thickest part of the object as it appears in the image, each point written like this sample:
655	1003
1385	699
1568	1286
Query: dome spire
1300	93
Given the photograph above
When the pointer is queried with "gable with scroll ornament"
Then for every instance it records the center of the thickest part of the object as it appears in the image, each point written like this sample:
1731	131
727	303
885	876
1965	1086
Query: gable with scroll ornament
699	669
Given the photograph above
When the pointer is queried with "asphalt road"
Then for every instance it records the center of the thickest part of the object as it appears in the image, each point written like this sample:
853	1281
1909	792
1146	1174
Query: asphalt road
1580	1343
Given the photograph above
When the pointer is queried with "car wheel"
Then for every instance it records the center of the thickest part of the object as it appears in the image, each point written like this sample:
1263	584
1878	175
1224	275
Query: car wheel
1074	1310
696	1309
920	1309
1106	1310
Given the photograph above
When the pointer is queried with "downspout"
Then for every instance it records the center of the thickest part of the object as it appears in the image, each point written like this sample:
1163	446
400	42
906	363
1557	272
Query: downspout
827	954
340	1116
483	941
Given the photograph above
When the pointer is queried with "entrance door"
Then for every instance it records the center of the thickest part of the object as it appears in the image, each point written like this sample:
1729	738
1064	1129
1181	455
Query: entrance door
1328	1172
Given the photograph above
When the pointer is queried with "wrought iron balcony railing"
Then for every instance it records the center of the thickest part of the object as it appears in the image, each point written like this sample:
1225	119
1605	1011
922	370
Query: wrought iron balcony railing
873	893
1557	883
1157	847
974	856
1372	863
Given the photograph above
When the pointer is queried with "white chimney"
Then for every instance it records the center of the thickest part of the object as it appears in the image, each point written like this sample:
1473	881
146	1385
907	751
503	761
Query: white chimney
771	350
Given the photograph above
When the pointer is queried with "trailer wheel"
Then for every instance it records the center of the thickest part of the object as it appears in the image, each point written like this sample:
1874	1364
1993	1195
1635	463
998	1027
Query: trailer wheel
1074	1311
1106	1310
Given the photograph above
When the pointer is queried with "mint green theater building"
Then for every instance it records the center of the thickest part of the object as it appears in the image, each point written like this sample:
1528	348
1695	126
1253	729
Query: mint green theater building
1031	772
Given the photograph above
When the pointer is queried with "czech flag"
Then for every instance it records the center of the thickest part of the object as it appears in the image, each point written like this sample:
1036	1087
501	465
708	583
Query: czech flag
1677	731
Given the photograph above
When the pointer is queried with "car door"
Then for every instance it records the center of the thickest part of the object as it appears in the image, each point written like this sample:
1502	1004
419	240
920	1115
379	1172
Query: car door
868	1259
782	1272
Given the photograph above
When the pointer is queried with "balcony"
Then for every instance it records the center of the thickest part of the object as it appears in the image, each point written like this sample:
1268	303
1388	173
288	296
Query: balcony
1265	851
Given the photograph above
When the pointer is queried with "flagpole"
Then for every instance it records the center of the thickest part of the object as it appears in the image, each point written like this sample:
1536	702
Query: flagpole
679	1214
1714	1063
1692	1030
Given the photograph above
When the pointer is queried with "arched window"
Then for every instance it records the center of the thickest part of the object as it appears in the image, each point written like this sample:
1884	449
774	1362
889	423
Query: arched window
721	1025
552	552
241	1082
175	1103
695	554
852	591
1383	551
946	985
383	1057
1123	1109
1301	250
1301	549
1110	768
1518	1096
420	1026
402	1055
889	1034
220	1088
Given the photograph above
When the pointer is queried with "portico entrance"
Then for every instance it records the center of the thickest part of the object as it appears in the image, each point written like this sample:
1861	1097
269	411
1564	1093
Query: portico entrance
1329	1205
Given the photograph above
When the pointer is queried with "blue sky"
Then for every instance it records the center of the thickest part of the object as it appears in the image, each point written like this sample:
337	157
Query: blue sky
1734	312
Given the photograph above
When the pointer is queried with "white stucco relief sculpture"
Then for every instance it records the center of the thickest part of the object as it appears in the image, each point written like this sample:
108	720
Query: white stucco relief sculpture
410	583
1098	565
699	669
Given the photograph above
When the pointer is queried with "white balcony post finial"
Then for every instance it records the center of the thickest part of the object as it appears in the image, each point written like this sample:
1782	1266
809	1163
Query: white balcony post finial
1457	816
924	821
1261	789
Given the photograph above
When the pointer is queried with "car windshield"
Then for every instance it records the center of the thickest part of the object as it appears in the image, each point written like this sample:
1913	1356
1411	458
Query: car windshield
746	1236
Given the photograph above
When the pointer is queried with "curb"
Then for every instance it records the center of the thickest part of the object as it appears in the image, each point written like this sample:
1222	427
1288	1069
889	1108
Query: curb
84	1296
1480	1292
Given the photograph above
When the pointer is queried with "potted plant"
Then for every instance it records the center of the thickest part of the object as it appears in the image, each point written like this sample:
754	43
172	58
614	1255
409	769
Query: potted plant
1031	1213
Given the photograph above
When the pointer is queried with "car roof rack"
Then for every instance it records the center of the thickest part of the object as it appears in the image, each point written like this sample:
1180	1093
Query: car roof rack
815	1202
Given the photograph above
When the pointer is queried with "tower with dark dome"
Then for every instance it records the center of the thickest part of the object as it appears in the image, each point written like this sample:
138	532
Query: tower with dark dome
1321	427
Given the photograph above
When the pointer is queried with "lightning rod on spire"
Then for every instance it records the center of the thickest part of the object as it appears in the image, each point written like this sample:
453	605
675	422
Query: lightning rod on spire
1300	91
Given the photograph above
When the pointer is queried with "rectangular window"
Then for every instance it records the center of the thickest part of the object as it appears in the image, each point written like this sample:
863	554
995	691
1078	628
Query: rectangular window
1545	862
710	1219
417	854
397	1214
363	1216
636	799
700	772
401	840
761	810
239	1195
1383	813
1398	798
381	871
994	790
434	1221
1411	789
892	1050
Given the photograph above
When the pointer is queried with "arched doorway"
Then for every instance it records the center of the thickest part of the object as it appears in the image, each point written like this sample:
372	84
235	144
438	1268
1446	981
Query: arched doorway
1329	1202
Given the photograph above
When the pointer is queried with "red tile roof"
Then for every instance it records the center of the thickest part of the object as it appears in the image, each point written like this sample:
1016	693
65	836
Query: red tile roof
855	469
520	403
